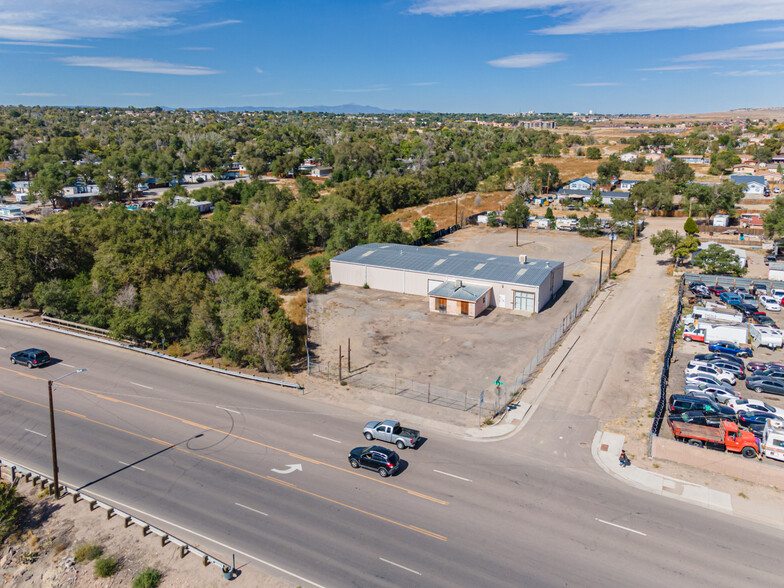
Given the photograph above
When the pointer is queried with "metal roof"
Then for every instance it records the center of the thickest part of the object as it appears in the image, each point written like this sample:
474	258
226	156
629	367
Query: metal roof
469	292
450	263
740	179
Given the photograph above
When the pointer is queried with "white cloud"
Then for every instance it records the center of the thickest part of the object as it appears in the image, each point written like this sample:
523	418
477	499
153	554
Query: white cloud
139	66
673	68
597	84
612	16
258	70
423	84
527	60
761	51
47	21
205	26
37	44
197	48
37	94
748	72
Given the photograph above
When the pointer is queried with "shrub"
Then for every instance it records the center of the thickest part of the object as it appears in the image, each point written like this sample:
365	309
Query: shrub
149	578
87	552
106	566
11	510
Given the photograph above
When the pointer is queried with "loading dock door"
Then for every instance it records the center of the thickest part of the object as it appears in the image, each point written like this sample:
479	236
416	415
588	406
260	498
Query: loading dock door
433	284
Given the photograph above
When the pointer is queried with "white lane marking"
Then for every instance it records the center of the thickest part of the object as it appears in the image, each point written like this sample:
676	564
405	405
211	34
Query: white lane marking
452	475
327	438
251	509
141	385
133	466
620	527
35	432
228	409
200	536
68	365
3	348
401	567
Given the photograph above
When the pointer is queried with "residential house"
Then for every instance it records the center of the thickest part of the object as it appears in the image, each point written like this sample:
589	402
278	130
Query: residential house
609	197
565	193
752	185
584	183
630	156
456	282
694	159
628	184
198	177
745	168
321	172
21	189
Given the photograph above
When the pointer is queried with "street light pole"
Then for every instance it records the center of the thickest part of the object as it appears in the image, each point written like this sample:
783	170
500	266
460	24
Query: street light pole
55	469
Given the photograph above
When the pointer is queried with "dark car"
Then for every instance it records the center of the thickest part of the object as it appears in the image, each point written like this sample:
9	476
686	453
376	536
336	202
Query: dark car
765	385
729	366
717	356
763	320
746	417
698	417
682	403
730	349
379	459
31	357
770	259
758	366
717	290
773	373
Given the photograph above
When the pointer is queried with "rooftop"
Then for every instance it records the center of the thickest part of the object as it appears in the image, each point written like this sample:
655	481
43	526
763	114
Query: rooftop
469	292
455	264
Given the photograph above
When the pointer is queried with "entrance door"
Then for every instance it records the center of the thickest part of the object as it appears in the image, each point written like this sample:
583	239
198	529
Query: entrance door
463	307
524	301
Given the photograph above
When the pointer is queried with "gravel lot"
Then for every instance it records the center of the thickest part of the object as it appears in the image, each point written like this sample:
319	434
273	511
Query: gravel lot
394	335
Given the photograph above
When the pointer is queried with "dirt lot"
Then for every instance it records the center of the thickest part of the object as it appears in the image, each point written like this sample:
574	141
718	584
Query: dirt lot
394	334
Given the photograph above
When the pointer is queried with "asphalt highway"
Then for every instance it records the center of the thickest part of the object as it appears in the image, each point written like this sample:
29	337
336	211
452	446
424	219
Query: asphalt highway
209	458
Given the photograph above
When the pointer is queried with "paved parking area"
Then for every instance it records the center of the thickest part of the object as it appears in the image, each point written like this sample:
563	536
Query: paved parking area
395	335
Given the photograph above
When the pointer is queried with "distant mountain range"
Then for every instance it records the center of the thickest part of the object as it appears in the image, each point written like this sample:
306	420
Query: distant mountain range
339	109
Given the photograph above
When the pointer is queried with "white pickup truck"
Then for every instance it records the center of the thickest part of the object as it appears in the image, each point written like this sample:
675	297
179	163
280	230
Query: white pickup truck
391	432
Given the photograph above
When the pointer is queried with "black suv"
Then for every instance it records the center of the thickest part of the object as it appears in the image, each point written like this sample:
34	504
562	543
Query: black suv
31	357
379	459
682	403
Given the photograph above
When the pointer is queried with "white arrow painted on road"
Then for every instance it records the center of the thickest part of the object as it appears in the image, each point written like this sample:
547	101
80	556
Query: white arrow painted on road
291	468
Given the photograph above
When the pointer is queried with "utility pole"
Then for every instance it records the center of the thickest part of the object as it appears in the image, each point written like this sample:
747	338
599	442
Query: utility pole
349	355
456	199
340	363
612	242
635	219
55	468
601	263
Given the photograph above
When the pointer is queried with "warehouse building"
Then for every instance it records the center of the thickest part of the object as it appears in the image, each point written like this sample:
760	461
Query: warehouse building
456	282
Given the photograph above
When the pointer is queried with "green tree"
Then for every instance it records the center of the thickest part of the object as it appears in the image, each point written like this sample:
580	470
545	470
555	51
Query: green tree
681	247
722	162
690	226
718	260
12	509
596	198
492	219
609	169
653	195
622	210
424	227
267	343
589	226
6	190
317	282
548	176
593	153
773	218
517	213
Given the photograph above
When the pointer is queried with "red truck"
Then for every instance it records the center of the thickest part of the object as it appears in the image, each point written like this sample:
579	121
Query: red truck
727	436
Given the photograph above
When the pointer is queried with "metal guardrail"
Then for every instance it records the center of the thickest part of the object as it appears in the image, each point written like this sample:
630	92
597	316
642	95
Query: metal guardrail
18	472
179	360
75	326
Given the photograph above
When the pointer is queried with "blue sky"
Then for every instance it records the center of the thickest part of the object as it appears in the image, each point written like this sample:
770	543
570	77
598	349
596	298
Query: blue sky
614	56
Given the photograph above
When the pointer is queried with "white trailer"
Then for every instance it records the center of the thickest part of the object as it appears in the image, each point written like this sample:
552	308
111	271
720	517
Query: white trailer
566	224
773	440
11	213
738	334
717	314
762	336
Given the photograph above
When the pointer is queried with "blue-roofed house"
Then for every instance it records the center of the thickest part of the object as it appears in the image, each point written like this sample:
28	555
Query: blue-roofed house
565	193
628	184
584	183
608	197
456	282
751	184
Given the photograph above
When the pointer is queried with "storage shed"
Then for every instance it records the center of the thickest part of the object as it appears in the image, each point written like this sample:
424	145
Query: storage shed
456	282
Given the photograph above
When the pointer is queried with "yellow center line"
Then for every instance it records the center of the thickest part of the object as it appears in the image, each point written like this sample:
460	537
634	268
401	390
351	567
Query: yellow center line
240	437
239	469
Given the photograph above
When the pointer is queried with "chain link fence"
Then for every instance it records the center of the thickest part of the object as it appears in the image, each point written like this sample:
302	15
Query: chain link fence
485	403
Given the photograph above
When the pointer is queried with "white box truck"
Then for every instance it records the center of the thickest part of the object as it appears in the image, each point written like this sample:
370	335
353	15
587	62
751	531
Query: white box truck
738	334
717	314
770	337
773	440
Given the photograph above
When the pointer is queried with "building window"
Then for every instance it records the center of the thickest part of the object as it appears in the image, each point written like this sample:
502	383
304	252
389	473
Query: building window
524	301
441	304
